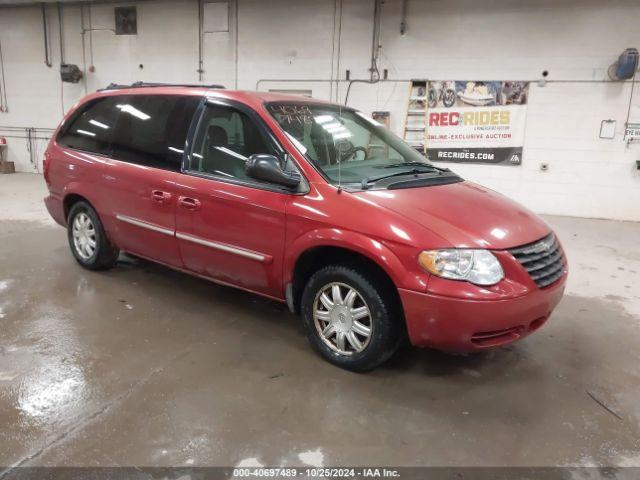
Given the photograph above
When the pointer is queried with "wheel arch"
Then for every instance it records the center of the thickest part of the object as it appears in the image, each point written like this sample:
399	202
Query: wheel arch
75	192
70	200
327	250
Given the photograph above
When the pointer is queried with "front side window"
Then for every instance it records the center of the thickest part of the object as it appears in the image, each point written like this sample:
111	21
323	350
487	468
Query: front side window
92	128
226	138
152	129
350	148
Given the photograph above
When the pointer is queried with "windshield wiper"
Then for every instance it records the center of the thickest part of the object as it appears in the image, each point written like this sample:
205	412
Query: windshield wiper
414	171
414	164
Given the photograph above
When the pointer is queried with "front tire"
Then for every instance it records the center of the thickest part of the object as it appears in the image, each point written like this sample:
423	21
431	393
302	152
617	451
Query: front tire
88	242
351	318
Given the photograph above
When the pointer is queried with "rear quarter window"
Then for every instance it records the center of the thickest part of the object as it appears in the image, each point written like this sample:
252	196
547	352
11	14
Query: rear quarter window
91	129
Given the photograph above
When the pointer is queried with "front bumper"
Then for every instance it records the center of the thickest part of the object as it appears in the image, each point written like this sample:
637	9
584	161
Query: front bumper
461	325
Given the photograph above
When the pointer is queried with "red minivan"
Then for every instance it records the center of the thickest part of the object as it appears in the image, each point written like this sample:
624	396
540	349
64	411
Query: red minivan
306	202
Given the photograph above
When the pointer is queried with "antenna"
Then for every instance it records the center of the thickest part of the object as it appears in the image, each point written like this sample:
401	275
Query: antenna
338	152
339	156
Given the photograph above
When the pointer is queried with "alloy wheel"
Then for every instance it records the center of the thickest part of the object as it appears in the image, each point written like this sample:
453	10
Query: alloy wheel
84	236
342	318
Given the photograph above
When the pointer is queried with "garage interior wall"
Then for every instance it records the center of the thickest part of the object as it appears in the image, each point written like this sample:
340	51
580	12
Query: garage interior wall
575	41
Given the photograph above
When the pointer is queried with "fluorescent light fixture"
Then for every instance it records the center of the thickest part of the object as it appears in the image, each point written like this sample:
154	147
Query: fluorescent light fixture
338	136
400	232
310	208
231	152
99	124
369	119
498	233
297	143
84	132
197	155
177	150
131	110
323	118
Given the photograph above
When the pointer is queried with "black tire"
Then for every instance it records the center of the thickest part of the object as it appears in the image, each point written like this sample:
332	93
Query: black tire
449	98
432	98
104	255
385	318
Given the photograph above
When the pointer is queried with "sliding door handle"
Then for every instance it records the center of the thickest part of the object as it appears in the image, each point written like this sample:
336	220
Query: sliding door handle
189	203
160	196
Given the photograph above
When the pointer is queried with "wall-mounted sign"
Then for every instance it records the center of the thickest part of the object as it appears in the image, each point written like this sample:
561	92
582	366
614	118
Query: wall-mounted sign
476	122
608	129
632	131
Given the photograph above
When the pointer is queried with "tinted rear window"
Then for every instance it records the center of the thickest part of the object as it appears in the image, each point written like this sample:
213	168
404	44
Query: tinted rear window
90	130
152	130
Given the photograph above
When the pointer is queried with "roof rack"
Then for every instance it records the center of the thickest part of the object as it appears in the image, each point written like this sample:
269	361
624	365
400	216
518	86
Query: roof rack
115	86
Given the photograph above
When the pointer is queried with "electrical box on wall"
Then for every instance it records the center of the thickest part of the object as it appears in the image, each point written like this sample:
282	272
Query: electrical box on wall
126	20
215	17
70	73
382	117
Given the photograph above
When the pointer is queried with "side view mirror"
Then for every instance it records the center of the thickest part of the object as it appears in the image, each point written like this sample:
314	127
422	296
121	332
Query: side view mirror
268	168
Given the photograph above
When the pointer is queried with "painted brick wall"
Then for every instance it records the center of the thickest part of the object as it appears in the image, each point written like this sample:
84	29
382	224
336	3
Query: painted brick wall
285	39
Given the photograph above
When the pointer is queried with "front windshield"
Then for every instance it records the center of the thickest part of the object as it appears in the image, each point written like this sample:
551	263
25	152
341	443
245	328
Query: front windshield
345	144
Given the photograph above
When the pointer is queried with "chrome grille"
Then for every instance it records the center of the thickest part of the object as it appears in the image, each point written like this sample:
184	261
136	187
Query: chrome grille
542	259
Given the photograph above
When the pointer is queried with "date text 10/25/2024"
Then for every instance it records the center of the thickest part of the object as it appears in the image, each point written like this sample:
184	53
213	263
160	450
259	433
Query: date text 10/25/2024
320	472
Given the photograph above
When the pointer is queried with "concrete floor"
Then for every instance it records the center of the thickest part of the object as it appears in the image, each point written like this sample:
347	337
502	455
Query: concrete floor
141	365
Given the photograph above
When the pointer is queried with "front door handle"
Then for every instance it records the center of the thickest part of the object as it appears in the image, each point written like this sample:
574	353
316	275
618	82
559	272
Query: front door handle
160	196
189	203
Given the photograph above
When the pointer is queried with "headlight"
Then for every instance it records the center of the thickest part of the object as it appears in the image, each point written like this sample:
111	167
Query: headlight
476	266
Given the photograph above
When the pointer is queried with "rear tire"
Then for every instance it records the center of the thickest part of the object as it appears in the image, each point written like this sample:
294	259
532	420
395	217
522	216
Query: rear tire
351	318
88	242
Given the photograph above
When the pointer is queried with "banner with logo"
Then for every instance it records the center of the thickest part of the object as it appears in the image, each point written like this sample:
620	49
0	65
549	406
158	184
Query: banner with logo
476	122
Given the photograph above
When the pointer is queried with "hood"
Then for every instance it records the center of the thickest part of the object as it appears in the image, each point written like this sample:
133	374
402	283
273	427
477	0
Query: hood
465	214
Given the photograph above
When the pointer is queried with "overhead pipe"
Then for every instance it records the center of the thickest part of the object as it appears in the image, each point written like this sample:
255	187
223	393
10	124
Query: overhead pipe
84	49
633	82
339	53
375	41
333	46
403	18
236	44
91	29
3	91
325	80
61	32
402	80
47	57
200	39
100	29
